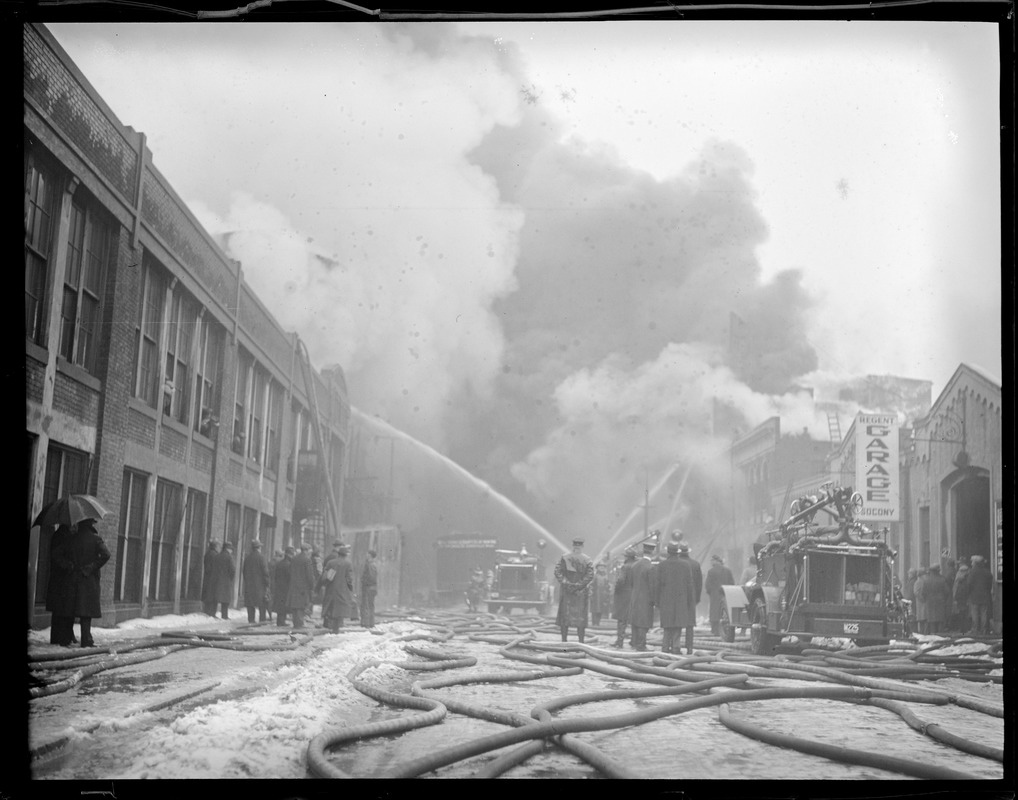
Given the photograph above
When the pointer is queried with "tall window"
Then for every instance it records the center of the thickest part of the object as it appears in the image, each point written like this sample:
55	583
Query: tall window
179	334
162	567
88	248
40	197
272	425
66	473
206	397
232	525
131	541
256	414
150	319
194	545
240	404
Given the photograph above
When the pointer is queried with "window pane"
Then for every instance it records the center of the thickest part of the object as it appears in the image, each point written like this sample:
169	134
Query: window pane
75	244
87	327
67	311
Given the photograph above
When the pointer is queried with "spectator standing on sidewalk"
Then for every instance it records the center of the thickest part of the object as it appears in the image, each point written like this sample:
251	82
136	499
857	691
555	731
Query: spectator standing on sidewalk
256	583
600	598
980	596
337	582
302	584
281	586
369	588
87	552
224	572
208	579
60	590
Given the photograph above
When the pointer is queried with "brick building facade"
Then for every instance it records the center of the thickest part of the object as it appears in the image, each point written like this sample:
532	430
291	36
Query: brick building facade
155	378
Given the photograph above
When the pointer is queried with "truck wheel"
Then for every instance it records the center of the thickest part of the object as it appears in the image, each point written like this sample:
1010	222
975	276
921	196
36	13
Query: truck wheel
727	629
761	642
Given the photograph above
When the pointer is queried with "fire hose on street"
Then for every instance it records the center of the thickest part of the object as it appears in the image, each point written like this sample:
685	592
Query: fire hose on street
717	680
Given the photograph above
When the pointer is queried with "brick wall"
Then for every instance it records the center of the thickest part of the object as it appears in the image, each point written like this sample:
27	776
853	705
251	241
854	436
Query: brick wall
75	399
173	444
140	428
68	105
35	374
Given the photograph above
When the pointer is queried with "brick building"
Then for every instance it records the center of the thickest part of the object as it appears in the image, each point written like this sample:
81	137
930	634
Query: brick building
155	378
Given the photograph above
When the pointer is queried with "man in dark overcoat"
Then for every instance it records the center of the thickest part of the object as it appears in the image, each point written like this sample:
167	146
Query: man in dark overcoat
302	584
937	595
622	595
574	572
281	586
641	605
87	552
256	583
369	589
60	590
694	565
980	596
208	579
675	599
225	570
337	599
922	606
600	597
717	576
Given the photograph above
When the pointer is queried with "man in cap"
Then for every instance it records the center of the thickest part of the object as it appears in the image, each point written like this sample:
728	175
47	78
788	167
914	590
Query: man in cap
623	594
641	605
574	572
674	596
980	595
337	581
256	583
225	572
208	579
717	576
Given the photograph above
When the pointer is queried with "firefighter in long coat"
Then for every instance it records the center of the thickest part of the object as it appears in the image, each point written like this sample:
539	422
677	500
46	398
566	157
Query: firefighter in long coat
574	572
600	596
674	597
224	571
256	583
208	579
717	576
697	582
641	604
302	584
281	586
337	599
623	595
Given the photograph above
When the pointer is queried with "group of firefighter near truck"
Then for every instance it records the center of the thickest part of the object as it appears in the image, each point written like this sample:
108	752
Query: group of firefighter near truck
830	577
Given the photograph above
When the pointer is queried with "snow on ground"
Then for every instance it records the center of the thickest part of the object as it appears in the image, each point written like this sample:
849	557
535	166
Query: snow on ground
265	735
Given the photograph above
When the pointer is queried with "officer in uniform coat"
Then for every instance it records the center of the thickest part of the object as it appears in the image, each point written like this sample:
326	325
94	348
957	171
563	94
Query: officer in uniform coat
675	599
623	594
641	604
574	572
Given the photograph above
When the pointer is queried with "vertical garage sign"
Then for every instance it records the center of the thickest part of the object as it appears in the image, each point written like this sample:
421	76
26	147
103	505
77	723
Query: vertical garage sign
876	466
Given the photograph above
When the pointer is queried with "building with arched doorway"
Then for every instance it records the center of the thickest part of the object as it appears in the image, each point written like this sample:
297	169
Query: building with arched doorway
952	483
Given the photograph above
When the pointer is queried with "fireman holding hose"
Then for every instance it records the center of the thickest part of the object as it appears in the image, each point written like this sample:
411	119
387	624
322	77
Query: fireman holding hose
575	572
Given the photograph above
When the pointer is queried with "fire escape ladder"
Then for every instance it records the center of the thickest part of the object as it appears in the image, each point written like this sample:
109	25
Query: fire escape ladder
834	424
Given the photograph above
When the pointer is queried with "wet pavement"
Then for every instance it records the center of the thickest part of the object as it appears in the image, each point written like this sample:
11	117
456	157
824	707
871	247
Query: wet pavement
252	714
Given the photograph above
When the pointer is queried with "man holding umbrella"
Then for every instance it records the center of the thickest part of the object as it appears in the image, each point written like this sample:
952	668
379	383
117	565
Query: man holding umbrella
80	556
77	552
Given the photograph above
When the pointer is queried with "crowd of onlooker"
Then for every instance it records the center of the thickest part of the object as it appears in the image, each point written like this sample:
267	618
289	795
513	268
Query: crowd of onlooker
950	597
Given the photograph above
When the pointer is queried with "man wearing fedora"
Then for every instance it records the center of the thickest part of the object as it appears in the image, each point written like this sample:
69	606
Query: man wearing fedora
675	599
641	605
622	595
574	572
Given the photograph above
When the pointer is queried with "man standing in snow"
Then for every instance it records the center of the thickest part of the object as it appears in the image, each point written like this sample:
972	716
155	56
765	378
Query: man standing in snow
256	583
281	586
717	576
302	585
641	605
208	579
574	572
224	571
369	588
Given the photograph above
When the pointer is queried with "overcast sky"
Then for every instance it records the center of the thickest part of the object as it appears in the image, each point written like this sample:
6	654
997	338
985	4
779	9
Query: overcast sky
534	234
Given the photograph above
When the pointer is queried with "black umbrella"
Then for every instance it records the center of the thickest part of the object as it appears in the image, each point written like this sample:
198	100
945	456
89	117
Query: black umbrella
70	510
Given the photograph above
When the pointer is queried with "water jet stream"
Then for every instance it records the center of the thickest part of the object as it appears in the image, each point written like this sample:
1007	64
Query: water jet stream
506	503
632	515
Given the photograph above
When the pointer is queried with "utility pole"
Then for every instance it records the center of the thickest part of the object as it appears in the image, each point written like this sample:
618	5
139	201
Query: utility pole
646	507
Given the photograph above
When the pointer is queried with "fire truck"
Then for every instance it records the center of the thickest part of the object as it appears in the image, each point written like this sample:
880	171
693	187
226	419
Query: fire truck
519	582
828	580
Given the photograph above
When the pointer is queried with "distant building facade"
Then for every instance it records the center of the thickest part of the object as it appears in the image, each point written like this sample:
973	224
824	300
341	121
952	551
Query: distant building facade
155	378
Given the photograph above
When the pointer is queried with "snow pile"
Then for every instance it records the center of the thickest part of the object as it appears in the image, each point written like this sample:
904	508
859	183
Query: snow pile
140	627
266	736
